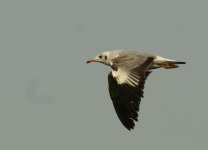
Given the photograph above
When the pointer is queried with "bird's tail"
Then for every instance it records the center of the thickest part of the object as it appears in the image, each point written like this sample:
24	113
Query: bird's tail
167	63
171	64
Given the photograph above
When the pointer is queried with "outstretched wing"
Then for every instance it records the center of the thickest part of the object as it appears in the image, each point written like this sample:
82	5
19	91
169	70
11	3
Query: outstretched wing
126	84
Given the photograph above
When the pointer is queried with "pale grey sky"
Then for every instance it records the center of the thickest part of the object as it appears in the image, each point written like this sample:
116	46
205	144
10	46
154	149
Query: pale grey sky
50	99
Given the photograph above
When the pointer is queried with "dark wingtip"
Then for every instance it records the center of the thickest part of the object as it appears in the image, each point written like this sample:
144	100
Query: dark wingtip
130	128
180	62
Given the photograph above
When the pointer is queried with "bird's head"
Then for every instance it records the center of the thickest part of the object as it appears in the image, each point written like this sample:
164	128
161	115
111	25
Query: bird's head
104	58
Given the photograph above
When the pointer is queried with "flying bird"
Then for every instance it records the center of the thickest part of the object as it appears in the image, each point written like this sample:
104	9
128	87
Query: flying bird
126	81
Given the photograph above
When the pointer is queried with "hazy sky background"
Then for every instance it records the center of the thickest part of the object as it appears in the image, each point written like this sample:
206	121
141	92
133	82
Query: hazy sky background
51	100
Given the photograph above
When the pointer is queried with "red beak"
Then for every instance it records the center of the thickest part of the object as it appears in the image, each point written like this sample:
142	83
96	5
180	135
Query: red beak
91	60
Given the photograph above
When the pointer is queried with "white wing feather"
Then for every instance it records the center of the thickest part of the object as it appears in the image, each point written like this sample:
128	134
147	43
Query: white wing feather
124	77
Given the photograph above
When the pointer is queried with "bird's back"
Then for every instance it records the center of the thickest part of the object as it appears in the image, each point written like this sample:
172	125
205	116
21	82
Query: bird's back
134	52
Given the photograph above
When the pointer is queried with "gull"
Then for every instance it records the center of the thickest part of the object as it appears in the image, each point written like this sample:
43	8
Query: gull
130	70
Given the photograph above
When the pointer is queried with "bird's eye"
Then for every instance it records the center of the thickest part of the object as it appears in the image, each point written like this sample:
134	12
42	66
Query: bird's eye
106	57
100	56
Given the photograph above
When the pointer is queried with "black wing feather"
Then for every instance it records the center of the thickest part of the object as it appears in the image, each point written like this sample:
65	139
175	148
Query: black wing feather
126	98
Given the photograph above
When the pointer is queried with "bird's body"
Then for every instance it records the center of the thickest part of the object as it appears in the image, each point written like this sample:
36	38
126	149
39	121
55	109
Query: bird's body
127	78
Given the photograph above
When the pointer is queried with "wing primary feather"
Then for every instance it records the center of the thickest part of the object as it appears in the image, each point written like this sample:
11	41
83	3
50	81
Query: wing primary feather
126	96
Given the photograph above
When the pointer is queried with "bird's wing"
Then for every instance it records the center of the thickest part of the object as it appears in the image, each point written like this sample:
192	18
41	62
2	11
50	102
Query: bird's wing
126	84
